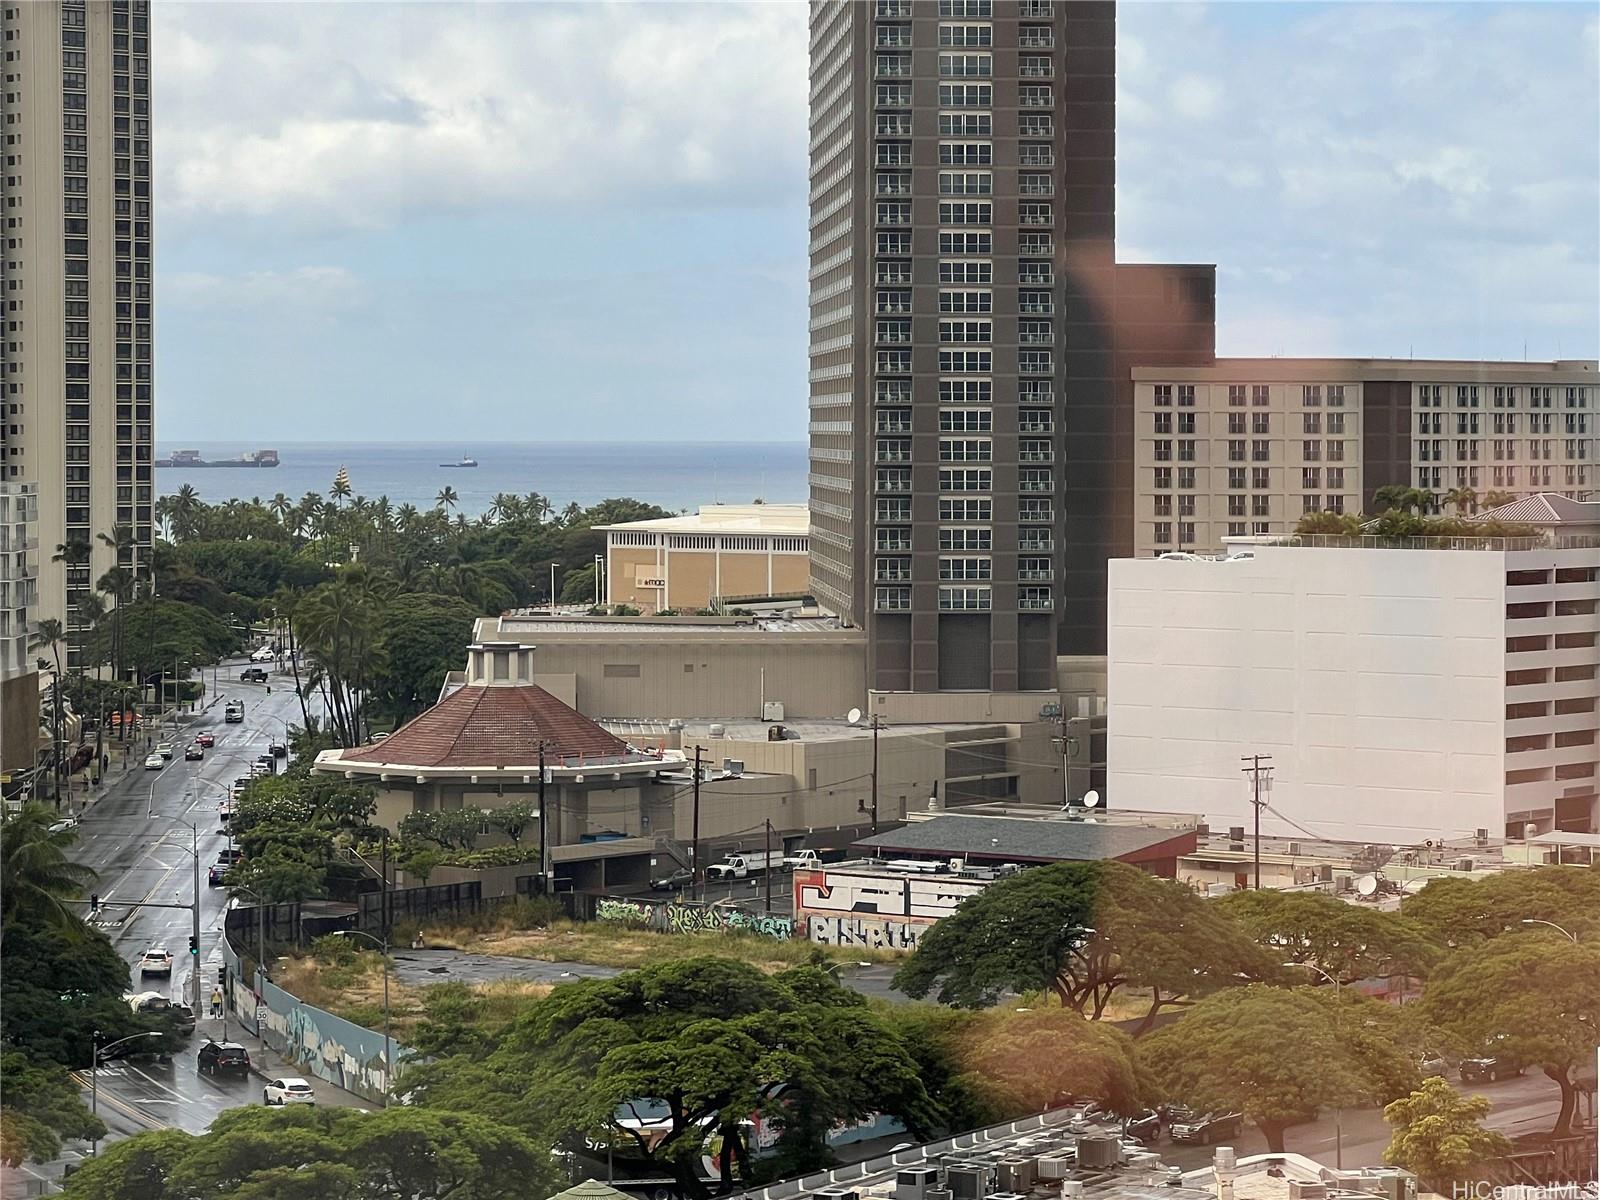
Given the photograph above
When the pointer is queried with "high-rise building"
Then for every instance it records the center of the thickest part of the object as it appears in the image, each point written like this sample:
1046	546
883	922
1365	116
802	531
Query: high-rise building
972	336
19	676
78	387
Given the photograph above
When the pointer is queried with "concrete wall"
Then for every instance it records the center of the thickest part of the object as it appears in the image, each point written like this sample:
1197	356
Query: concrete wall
1374	679
708	674
692	578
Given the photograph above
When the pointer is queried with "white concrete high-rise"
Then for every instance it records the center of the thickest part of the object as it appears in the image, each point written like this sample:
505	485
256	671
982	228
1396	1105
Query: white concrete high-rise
79	352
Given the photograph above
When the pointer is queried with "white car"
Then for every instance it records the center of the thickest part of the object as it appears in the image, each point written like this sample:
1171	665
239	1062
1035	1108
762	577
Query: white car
155	961
154	762
64	824
288	1090
164	749
262	654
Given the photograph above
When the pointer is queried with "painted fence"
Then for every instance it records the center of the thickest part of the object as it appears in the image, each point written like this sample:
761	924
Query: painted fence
317	1042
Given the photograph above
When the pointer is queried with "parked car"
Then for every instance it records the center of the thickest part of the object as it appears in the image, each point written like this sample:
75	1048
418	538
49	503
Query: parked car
673	880
183	1017
154	762
253	675
207	740
259	769
1488	1069
288	1090
279	750
1209	1128
164	749
155	961
193	752
225	810
1430	1065
1144	1128
215	873
223	1058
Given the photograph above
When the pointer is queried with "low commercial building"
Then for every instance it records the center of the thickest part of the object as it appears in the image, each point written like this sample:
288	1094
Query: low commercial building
1400	691
720	557
19	679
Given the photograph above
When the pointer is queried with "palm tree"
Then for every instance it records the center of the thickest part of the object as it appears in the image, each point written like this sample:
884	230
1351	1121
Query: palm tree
47	636
91	612
36	877
537	506
571	513
446	498
1464	499
183	511
279	506
341	489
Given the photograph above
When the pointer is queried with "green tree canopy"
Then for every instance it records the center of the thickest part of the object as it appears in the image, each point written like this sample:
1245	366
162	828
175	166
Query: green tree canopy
1027	1061
1278	1056
424	637
1458	911
256	1153
1439	1136
1082	931
699	1044
157	633
1347	941
255	569
36	875
1533	997
43	1107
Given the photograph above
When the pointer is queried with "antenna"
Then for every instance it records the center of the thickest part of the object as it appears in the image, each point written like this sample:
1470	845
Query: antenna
1091	798
1367	885
853	716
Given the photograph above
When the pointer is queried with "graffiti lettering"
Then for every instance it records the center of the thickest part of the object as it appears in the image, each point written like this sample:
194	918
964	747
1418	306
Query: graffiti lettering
694	918
628	912
865	932
917	897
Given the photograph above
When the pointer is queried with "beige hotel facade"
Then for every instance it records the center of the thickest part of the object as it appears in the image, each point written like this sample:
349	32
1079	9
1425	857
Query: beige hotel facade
721	554
1247	446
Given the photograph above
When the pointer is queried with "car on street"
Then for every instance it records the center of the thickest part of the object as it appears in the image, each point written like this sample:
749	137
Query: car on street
261	654
64	824
279	750
253	675
259	769
223	1058
1489	1068
155	961
290	1089
193	751
207	740
1210	1127
1431	1065
673	880
165	749
154	762
233	714
225	810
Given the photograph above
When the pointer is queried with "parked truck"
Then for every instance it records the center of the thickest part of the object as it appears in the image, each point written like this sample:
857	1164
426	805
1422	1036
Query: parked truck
801	860
745	864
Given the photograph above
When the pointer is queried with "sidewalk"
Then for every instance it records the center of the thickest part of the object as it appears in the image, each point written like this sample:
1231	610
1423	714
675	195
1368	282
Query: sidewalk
266	1063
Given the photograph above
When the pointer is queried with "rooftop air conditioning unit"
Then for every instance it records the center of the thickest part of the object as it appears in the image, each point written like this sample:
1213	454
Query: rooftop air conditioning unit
716	731
967	1182
1236	837
1054	1166
1294	849
1072	1189
1481	837
1464	864
937	1193
1006	1196
772	710
837	1193
1017	1174
1099	1150
912	1183
733	767
1306	1189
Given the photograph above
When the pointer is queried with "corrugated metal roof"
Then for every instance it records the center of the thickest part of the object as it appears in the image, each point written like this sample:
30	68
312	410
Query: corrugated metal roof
1019	838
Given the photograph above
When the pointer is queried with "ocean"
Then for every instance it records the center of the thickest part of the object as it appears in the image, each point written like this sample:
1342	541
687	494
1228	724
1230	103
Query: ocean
674	475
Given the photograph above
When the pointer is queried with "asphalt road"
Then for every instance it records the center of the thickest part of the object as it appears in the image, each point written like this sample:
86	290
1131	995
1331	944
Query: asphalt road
137	837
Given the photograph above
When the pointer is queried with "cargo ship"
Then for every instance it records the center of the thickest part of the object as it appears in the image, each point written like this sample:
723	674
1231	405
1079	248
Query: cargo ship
191	458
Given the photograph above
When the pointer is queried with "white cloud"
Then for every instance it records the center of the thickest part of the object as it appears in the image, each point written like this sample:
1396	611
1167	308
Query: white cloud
317	287
363	114
1194	97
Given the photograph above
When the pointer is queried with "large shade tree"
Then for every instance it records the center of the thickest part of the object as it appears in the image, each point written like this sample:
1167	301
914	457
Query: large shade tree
1457	911
1348	941
1083	931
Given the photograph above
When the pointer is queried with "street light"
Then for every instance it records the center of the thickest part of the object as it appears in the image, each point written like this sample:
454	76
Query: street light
388	1042
193	850
1566	933
1338	1113
97	1050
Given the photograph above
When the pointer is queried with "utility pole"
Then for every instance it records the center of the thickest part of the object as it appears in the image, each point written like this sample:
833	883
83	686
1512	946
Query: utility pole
768	873
544	821
194	954
694	852
876	725
1260	772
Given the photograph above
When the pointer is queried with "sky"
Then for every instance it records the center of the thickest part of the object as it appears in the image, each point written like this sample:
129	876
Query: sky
546	222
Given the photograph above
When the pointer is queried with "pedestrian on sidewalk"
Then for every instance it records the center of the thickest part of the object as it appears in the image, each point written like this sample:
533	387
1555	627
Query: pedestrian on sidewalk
216	1003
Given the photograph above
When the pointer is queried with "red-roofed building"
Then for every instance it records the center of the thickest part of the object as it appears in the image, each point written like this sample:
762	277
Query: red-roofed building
483	745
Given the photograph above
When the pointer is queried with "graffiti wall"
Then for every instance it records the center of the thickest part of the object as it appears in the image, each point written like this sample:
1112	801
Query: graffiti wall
869	933
666	917
327	1046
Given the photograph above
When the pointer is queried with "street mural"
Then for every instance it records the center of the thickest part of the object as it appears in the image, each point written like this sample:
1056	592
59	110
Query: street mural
626	912
693	918
327	1046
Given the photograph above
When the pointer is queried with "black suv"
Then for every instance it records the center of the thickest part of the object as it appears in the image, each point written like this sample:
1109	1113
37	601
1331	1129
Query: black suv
220	1058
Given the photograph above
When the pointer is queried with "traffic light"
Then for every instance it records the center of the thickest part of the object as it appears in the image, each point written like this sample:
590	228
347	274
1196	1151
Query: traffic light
194	945
94	904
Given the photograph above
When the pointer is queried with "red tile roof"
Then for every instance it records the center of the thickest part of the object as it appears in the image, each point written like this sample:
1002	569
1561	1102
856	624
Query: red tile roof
478	726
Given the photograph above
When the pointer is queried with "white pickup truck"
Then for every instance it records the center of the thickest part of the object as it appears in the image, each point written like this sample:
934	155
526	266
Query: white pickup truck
755	862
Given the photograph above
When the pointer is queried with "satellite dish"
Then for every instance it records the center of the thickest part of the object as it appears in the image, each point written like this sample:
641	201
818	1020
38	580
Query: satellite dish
1090	799
853	716
1367	885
